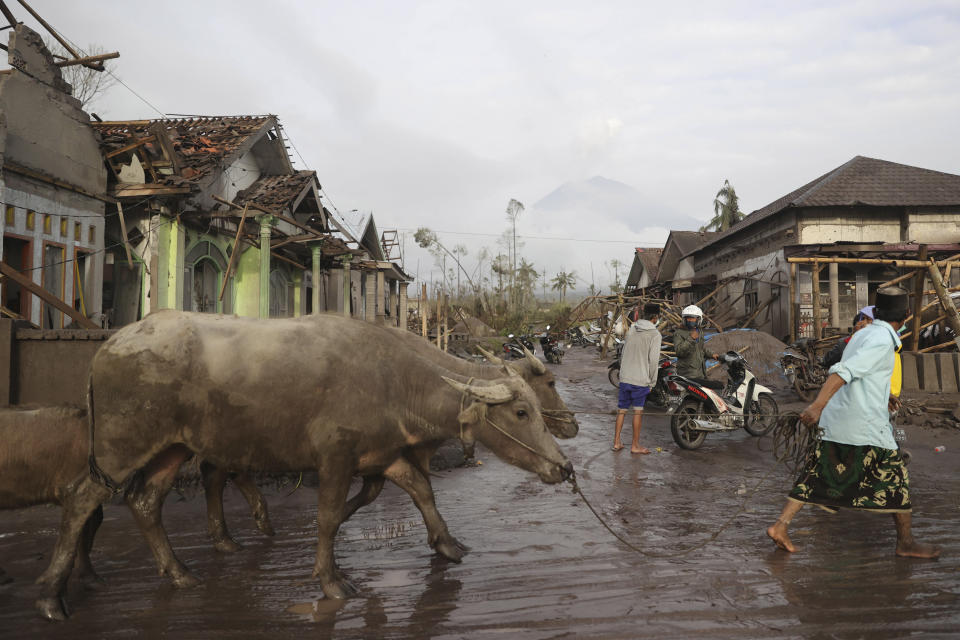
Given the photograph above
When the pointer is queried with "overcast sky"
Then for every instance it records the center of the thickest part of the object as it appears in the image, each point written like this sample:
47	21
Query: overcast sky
438	113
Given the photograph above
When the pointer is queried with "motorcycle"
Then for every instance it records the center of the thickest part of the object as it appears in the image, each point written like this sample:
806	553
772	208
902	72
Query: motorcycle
706	406
551	347
663	391
514	348
802	369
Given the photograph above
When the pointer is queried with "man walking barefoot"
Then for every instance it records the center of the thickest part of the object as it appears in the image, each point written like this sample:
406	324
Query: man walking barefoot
856	464
638	373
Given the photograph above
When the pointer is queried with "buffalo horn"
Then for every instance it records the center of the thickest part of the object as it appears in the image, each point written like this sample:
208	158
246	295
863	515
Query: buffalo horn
489	356
493	394
537	366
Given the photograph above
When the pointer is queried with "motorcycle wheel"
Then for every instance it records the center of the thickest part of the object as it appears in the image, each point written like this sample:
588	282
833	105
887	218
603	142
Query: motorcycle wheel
807	395
613	375
682	427
766	409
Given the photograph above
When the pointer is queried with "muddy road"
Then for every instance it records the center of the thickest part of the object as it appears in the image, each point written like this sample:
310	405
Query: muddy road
541	566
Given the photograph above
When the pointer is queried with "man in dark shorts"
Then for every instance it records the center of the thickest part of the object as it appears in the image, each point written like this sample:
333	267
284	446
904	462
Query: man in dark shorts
856	464
638	373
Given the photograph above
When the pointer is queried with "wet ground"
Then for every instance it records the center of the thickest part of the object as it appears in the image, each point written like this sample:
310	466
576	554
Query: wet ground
541	566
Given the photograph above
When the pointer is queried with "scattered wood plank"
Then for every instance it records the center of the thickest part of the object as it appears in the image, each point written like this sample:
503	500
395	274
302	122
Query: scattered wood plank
47	297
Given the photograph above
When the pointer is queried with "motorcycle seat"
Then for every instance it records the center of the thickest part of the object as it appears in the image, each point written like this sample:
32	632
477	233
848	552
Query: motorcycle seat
715	385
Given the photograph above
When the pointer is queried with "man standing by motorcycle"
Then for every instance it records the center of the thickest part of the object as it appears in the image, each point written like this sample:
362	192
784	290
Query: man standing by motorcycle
638	373
689	345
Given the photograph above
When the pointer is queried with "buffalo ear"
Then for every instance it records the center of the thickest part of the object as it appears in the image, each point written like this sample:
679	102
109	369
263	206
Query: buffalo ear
491	394
473	414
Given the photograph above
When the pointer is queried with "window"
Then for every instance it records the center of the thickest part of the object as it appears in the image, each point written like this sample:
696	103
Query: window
17	253
750	296
91	235
47	223
203	276
77	232
31	216
11	218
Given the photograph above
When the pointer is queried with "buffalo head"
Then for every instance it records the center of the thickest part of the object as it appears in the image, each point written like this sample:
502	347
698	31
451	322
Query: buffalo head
504	415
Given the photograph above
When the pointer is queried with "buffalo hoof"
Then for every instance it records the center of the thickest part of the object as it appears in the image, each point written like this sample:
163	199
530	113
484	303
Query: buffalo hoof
52	609
451	549
339	589
184	580
227	545
265	527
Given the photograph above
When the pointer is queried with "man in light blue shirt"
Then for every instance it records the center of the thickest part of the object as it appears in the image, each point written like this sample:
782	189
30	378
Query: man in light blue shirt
856	464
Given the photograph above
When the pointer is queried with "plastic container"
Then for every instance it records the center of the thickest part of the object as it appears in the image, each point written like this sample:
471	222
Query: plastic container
940	449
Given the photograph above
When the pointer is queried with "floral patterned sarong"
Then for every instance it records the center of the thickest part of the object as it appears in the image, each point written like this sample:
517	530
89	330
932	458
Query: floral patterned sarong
854	477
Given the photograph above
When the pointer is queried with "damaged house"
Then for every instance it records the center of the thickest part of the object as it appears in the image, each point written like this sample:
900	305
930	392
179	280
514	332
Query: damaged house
212	217
53	189
859	219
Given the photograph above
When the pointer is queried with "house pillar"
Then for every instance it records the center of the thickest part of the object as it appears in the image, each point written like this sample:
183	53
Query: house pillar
393	303
265	223
834	294
315	254
369	290
346	285
402	311
381	316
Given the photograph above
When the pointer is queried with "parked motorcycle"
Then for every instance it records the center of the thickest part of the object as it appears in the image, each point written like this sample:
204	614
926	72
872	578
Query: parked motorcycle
707	406
802	369
663	391
513	349
551	347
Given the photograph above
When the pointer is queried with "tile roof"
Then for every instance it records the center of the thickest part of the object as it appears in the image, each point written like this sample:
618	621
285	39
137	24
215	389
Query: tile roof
864	181
277	192
200	144
689	241
649	257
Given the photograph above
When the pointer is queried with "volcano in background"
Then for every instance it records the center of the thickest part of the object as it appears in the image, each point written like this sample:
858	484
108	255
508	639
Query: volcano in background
601	198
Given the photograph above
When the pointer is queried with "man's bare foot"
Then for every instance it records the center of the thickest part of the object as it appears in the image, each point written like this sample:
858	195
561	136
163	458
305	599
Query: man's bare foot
778	533
639	450
617	446
917	550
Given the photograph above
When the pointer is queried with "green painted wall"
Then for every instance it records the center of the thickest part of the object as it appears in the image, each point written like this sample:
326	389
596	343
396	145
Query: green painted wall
297	280
247	288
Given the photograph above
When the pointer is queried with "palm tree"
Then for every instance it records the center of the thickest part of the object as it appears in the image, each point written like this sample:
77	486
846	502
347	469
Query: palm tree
563	281
726	209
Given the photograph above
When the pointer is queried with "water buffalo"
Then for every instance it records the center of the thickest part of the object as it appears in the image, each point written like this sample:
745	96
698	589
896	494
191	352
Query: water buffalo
408	476
42	453
279	395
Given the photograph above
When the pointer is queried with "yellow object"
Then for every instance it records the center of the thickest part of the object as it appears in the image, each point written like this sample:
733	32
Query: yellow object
896	380
479	462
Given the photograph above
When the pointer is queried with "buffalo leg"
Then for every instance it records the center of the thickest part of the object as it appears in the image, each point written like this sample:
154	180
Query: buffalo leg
372	486
83	500
332	495
84	567
258	506
409	478
214	481
145	499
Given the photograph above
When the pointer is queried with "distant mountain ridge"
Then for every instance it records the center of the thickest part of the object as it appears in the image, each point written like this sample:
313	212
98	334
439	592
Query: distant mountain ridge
613	199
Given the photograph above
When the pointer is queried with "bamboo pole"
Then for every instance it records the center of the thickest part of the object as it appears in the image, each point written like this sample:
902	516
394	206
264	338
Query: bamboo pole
123	230
918	301
233	254
424	309
914	264
446	335
815	281
897	280
951	310
756	313
439	297
792	312
937	347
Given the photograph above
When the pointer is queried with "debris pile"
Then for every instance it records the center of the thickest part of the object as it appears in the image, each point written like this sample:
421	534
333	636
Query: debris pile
761	351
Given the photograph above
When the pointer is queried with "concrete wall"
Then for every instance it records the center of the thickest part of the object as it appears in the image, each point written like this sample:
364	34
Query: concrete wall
851	224
45	367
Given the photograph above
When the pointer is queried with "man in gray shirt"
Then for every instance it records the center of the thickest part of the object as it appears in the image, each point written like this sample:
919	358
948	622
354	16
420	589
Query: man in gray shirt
638	373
